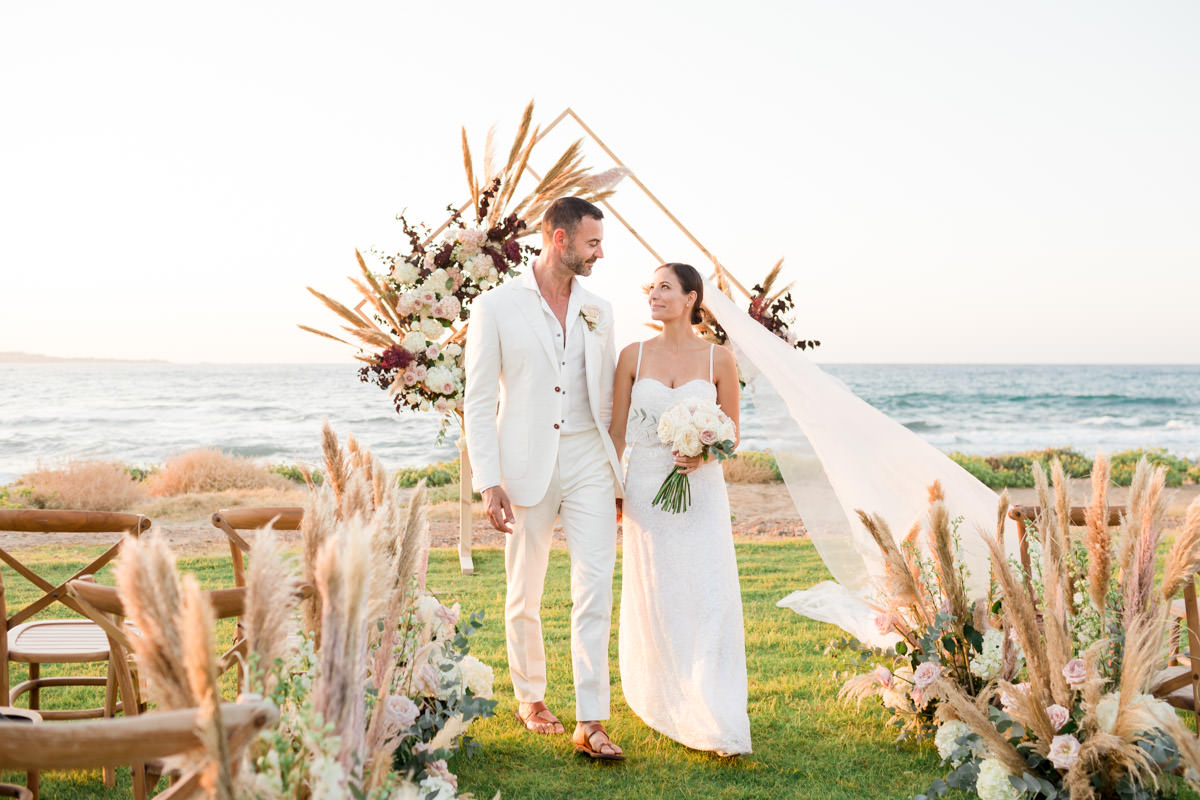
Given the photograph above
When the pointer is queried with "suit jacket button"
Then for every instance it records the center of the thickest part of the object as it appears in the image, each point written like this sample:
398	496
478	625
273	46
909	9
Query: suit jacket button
558	388
556	426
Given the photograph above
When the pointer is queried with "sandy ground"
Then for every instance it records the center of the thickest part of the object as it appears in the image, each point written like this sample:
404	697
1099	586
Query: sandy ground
762	512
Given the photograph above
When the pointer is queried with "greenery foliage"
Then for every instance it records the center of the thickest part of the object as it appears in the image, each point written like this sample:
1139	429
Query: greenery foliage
1015	470
295	474
442	473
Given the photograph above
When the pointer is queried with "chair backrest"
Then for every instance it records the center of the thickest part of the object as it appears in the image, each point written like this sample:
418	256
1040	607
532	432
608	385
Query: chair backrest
234	520
129	740
54	522
1024	515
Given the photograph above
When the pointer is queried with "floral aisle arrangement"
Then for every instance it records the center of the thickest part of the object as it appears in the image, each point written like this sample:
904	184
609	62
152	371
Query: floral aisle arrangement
415	309
1079	719
372	675
923	601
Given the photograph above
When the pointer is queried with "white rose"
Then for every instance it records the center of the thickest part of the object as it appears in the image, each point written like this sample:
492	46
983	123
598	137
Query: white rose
477	676
413	341
401	711
1064	751
452	350
687	442
434	788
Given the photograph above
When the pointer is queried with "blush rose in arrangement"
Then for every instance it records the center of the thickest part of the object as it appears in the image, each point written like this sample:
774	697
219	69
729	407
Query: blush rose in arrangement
691	427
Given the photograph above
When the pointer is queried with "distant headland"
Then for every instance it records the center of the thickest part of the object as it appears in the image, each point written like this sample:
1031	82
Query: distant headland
17	357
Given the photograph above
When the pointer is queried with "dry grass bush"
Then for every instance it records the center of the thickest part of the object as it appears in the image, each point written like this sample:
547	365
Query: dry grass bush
751	467
210	471
83	485
188	507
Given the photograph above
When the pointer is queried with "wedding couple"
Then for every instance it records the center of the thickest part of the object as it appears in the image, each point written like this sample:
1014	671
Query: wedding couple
548	415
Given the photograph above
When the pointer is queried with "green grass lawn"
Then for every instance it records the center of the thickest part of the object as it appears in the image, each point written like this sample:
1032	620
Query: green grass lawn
806	744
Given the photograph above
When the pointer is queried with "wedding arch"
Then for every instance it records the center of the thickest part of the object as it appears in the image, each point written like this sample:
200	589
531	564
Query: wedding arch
836	453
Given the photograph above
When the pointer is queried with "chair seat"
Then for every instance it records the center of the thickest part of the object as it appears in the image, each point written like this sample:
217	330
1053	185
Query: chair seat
58	641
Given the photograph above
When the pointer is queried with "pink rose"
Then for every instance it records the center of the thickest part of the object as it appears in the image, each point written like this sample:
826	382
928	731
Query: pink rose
409	378
447	615
1007	699
420	371
448	387
884	622
1058	716
918	698
402	711
1064	751
1075	671
432	351
884	676
428	297
926	673
708	437
441	405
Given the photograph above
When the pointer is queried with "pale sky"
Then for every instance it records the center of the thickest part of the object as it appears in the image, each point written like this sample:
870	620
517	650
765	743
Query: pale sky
948	182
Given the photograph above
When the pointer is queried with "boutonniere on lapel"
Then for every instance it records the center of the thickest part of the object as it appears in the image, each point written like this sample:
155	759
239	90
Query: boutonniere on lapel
591	316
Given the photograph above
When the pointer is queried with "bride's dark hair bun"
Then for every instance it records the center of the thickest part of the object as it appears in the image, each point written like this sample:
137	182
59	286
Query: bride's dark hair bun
689	281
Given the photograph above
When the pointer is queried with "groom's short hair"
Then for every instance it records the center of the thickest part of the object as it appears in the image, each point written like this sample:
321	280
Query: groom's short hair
565	213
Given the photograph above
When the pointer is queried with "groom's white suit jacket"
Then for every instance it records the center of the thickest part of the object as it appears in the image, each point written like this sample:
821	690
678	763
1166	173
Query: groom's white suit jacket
511	406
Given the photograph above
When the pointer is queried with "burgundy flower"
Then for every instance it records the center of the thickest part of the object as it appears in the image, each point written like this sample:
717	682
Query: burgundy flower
395	357
443	256
512	251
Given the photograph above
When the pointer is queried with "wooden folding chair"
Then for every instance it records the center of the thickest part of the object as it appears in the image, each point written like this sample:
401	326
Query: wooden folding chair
9	714
1027	515
57	641
140	739
1179	682
234	520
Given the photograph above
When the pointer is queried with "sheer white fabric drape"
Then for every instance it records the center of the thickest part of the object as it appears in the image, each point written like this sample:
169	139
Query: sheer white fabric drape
837	454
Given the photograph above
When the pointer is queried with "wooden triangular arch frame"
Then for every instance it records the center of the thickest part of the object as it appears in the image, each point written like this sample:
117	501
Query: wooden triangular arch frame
724	280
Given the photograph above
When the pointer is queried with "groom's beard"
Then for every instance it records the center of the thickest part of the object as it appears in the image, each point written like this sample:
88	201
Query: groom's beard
577	264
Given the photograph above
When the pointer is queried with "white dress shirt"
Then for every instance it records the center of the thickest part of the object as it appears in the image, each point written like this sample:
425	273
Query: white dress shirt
576	412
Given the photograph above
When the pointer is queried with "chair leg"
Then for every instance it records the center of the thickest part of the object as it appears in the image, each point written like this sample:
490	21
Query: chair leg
33	782
110	706
35	672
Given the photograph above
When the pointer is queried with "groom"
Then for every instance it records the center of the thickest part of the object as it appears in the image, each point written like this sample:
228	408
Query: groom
540	347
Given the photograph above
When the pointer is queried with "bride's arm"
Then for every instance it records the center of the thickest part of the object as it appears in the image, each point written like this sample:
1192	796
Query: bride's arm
728	389
622	391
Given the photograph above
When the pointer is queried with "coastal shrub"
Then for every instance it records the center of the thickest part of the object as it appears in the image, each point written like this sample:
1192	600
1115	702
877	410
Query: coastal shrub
14	495
442	473
1015	470
210	471
141	474
1193	472
294	474
1124	463
85	485
751	466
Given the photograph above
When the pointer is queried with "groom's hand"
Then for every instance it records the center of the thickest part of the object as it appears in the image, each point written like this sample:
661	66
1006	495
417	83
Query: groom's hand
498	510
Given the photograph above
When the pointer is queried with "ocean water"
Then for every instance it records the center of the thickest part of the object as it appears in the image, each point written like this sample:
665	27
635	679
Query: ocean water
143	413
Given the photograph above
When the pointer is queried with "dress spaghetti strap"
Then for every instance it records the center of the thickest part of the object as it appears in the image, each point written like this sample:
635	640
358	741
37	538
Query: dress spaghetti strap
638	369
711	349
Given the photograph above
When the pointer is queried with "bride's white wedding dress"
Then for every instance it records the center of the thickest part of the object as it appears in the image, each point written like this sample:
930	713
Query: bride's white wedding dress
681	641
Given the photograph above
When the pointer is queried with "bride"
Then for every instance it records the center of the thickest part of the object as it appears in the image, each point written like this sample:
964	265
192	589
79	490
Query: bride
682	646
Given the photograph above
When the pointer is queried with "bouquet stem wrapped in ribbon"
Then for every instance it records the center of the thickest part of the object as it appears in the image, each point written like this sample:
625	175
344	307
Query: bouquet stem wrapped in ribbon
691	427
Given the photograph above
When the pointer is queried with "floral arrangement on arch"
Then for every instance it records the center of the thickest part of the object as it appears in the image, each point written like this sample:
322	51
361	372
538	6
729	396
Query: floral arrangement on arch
411	323
1087	713
774	310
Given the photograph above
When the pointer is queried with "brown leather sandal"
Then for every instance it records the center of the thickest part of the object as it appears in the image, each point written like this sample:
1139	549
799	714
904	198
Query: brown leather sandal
588	748
537	716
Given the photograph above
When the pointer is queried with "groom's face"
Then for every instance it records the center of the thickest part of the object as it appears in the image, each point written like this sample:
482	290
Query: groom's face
582	251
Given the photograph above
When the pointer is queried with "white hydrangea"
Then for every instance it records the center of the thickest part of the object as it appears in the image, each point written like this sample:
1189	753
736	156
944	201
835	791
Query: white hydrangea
414	341
987	664
477	676
947	736
993	782
452	350
432	328
405	273
434	788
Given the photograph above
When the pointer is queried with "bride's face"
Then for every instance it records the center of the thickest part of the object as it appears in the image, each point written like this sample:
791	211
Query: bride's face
667	299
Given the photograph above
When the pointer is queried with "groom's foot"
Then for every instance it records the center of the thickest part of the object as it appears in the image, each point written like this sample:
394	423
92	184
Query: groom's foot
537	718
592	740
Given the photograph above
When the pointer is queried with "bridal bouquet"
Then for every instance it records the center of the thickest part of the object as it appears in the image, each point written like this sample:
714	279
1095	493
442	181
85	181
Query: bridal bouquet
692	428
